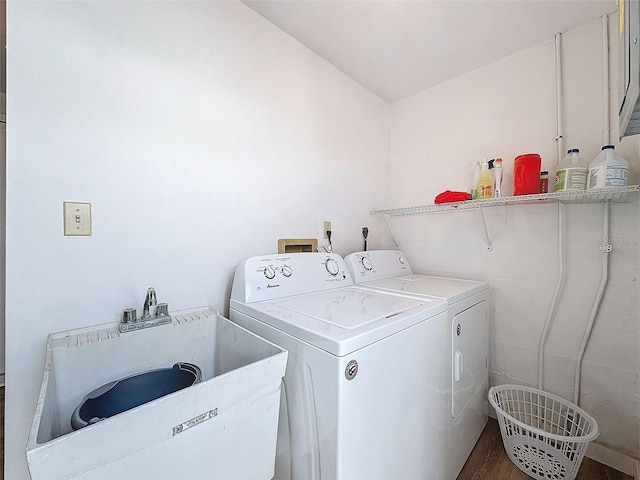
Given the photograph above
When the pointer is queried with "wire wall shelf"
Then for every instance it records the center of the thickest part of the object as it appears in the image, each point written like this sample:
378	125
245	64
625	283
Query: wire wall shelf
613	194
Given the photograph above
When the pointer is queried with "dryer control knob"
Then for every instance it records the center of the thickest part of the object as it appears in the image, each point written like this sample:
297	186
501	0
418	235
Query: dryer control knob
286	270
401	260
366	263
332	267
269	272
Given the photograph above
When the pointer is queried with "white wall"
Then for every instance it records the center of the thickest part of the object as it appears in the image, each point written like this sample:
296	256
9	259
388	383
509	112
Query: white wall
502	110
199	132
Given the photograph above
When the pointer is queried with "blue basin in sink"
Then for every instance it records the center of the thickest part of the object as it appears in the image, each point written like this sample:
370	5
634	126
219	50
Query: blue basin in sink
121	395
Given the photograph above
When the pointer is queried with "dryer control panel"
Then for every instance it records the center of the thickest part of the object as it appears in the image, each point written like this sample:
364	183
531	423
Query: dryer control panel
269	277
377	265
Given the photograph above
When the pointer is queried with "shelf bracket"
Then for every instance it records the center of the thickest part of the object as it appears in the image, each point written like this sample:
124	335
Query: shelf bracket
385	217
485	229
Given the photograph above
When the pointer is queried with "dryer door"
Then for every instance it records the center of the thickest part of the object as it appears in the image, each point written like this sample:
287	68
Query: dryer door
469	355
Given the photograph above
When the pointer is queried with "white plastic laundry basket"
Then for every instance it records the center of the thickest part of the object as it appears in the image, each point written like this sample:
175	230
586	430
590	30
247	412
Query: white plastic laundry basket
544	435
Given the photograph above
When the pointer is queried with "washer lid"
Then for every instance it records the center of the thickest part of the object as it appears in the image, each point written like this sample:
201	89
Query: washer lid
450	289
347	308
343	320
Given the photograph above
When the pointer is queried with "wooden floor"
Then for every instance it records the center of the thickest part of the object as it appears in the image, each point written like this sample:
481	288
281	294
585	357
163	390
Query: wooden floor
489	461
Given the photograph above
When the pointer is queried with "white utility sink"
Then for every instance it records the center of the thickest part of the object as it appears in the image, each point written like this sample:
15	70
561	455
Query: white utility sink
224	427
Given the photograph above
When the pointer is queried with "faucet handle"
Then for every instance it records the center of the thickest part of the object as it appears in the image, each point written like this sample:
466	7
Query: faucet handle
162	310
129	315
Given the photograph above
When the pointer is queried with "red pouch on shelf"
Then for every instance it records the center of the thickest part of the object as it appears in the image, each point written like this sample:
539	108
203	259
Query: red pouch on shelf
449	196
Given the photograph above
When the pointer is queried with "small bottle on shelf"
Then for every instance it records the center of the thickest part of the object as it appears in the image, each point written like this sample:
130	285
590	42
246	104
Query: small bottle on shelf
497	167
544	181
474	180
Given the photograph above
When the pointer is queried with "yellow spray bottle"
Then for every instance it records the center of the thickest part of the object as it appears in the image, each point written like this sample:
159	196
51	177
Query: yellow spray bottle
485	184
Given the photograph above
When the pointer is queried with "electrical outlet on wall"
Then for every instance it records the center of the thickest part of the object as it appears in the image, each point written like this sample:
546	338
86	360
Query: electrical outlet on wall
326	227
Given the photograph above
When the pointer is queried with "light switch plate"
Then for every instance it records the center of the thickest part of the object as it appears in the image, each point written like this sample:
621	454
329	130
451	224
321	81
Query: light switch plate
77	218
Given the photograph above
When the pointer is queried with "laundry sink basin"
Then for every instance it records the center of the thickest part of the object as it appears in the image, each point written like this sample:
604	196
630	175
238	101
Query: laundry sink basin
198	431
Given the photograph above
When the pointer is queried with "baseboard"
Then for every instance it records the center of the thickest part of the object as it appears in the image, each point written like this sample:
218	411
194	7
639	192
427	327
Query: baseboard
614	459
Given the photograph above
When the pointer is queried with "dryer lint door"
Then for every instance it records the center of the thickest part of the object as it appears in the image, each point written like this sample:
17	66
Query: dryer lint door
469	355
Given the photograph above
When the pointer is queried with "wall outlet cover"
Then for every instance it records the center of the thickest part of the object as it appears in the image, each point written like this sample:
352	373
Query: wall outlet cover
326	227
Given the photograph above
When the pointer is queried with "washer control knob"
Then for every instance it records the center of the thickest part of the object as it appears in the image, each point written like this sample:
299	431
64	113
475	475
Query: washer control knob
269	272
332	267
366	263
286	270
401	260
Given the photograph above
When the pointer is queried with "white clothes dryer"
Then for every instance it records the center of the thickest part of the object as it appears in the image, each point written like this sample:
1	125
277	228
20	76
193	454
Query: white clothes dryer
362	366
466	339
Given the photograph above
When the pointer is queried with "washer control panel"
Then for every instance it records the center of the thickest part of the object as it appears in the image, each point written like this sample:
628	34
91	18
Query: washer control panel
282	275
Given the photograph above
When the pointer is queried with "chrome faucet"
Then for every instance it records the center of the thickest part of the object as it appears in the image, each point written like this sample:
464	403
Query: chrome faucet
160	316
149	301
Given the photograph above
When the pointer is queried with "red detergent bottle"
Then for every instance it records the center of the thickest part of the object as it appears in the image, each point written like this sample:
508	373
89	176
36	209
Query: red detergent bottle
526	174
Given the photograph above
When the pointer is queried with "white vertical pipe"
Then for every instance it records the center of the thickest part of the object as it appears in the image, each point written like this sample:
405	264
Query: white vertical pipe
561	249
561	253
559	99
606	120
605	228
556	296
596	305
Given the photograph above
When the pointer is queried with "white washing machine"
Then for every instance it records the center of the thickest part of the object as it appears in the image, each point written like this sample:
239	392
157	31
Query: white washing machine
362	366
466	339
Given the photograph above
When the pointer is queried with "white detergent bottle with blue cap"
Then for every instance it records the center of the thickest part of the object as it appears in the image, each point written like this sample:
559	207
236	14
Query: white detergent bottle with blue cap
572	173
608	169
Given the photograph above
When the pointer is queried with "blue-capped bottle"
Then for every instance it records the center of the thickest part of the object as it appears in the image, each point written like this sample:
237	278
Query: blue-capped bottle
572	173
608	169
